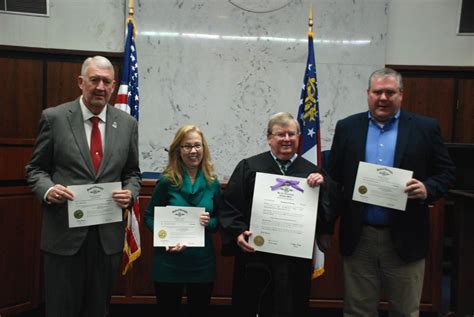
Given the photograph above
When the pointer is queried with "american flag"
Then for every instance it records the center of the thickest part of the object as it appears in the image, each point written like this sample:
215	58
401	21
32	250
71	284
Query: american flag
128	100
310	139
128	96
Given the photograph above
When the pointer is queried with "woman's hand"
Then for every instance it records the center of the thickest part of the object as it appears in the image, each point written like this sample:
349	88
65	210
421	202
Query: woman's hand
204	219
177	248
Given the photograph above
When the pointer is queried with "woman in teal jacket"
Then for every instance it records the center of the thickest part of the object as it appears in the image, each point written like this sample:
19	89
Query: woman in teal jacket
188	180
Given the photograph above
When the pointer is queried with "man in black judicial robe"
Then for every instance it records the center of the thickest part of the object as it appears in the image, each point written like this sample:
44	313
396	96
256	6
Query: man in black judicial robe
270	284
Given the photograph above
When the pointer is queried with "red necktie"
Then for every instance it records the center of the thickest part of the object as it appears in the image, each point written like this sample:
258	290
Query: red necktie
96	143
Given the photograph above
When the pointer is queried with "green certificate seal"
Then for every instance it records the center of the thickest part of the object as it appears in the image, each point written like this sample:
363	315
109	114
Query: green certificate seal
162	234
259	241
78	214
362	189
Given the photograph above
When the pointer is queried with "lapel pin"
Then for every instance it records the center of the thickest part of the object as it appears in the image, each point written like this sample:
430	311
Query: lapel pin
114	125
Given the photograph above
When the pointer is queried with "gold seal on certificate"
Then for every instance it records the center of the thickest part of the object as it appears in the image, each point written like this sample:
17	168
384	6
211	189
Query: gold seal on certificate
381	185
284	213
178	224
259	241
78	214
362	189
93	205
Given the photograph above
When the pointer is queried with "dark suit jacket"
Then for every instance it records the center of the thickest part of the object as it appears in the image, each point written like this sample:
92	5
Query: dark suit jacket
236	204
420	149
61	156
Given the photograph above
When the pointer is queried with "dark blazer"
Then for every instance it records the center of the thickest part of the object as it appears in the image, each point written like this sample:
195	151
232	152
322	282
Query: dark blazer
420	149
61	156
236	203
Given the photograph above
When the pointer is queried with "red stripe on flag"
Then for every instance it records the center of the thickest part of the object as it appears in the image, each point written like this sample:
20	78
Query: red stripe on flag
122	99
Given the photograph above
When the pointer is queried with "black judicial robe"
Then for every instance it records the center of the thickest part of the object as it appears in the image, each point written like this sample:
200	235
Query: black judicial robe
234	216
236	203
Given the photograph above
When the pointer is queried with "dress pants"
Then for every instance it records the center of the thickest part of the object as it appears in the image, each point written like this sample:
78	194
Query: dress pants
80	285
375	265
168	298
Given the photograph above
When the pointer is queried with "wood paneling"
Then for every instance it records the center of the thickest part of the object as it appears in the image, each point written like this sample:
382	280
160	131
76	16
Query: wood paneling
464	132
463	275
432	97
21	97
225	264
13	161
431	295
20	217
327	290
62	82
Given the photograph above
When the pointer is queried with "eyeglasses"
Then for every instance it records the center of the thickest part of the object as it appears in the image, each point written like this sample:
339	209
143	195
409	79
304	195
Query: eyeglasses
190	147
290	134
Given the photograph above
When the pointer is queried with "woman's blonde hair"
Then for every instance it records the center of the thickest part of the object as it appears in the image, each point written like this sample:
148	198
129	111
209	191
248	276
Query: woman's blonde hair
175	168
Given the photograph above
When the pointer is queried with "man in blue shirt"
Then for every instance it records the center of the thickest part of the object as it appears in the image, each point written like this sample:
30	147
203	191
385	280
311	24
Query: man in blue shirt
382	247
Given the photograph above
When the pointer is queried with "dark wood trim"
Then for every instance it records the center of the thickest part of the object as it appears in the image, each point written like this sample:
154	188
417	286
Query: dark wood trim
428	68
15	191
12	141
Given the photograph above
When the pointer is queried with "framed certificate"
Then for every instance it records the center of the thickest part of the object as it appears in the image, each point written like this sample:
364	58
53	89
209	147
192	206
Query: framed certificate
175	224
284	213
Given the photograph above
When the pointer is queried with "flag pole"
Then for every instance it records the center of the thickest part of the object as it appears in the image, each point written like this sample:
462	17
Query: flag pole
128	100
310	20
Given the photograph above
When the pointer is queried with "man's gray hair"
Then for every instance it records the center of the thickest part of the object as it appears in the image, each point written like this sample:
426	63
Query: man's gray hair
98	61
387	72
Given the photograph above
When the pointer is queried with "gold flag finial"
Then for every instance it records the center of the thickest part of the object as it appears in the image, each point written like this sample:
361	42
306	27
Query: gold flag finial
130	16
310	22
130	10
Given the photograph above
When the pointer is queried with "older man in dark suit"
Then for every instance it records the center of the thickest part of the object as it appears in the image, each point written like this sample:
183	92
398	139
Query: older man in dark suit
85	141
383	247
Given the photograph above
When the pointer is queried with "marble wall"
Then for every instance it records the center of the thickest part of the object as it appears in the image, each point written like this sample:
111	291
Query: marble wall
88	25
416	37
227	66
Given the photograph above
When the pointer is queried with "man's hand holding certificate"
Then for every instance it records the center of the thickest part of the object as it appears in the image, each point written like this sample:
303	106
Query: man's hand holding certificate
178	225
284	212
93	204
381	185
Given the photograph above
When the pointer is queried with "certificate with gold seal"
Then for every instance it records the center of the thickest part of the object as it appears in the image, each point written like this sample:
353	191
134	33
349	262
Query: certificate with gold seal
93	205
177	224
381	185
284	213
